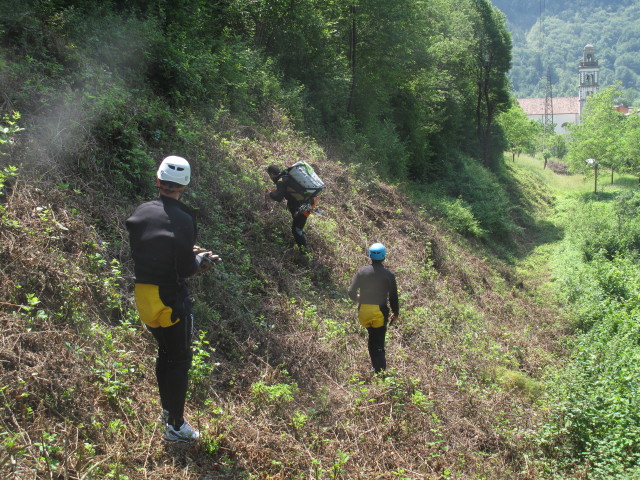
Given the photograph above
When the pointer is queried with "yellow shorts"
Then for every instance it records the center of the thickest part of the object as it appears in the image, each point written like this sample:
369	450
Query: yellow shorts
370	316
152	310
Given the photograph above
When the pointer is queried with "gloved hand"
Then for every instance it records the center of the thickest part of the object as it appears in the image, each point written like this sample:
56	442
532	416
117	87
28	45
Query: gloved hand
392	319
207	259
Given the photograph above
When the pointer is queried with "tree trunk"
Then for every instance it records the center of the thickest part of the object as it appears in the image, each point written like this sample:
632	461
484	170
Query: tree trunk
352	51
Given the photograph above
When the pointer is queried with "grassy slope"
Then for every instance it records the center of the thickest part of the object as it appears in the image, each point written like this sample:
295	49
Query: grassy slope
563	188
282	389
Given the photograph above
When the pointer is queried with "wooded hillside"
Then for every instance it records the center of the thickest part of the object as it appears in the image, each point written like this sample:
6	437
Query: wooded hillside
555	44
395	106
408	85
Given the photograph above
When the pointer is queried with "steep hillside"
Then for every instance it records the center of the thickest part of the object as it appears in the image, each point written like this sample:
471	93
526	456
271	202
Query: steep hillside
96	92
281	386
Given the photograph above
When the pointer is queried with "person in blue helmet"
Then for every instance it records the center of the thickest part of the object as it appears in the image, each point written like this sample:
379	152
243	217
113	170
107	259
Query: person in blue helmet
374	288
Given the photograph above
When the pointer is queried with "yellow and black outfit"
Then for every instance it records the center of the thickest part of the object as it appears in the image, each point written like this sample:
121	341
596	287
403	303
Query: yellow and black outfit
162	235
374	288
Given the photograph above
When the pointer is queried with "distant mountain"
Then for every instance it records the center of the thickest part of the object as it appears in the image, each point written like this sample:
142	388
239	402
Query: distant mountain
555	44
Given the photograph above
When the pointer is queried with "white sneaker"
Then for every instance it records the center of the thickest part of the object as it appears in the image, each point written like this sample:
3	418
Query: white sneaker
184	434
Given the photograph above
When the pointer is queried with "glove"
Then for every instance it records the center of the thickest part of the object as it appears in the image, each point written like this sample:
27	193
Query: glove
267	196
207	259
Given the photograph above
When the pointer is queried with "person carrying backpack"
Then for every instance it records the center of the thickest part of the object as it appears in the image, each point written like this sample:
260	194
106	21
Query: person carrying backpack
374	288
301	197
162	235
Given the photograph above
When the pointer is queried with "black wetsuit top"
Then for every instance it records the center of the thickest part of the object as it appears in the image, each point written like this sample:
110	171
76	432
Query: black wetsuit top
162	234
284	191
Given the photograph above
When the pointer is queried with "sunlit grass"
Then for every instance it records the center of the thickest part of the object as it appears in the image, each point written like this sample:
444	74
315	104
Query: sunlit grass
558	183
574	183
535	266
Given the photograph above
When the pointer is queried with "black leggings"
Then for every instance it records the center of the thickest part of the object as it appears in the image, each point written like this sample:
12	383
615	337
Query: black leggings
376	343
299	221
173	364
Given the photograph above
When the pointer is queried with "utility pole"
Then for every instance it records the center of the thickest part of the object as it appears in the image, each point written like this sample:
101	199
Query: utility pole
548	103
547	123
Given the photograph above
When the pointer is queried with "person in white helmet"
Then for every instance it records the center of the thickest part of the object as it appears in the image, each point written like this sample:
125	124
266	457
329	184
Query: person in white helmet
162	236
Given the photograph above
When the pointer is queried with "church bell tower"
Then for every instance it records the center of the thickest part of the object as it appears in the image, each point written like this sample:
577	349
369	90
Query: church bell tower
588	71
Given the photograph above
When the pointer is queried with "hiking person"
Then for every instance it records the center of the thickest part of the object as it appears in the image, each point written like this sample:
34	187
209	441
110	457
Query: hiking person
162	236
299	206
374	288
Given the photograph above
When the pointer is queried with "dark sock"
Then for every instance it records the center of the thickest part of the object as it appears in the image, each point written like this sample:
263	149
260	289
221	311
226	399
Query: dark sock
176	424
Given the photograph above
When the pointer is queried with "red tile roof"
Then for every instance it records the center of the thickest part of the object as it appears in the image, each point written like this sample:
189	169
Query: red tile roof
535	106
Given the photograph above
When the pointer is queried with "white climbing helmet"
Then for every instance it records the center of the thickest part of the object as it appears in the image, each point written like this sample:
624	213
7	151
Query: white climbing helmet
175	169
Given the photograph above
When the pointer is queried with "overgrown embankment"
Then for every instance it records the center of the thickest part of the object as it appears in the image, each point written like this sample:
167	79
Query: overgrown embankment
281	386
593	430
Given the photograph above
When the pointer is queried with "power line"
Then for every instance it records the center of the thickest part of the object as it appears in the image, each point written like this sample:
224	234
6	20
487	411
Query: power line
548	91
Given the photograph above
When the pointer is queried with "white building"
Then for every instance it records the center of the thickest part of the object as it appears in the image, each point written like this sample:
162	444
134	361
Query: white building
567	109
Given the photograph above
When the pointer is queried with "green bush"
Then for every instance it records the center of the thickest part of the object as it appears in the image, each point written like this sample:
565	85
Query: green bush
457	213
594	399
608	226
388	153
595	420
122	154
481	204
277	396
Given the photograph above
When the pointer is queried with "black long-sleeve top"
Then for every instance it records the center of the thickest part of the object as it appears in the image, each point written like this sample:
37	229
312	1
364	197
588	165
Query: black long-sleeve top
375	285
162	234
285	192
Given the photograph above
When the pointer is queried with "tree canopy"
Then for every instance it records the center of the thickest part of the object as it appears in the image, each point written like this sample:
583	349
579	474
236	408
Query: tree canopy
409	81
521	133
596	140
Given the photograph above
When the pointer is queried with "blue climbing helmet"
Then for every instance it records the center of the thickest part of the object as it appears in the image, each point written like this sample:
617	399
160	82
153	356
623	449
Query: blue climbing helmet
377	251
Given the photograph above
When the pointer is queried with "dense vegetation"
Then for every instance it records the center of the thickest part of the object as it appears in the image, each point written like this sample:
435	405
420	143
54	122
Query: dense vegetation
596	392
402	108
409	85
611	26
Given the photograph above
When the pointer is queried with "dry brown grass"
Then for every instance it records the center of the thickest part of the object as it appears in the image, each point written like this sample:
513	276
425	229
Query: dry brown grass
443	412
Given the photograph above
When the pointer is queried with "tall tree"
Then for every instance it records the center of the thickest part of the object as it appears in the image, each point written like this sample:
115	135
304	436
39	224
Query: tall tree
598	134
629	144
558	146
307	41
491	63
387	42
431	109
520	132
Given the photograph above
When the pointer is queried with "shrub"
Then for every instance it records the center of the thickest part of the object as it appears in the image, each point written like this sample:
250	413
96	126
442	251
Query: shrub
473	200
594	423
595	420
277	396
